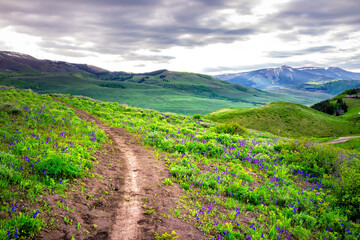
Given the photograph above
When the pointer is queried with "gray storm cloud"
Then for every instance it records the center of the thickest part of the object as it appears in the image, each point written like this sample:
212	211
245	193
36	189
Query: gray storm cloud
121	27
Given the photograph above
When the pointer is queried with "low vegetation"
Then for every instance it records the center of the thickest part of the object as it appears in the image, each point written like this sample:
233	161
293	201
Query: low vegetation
236	183
250	185
43	147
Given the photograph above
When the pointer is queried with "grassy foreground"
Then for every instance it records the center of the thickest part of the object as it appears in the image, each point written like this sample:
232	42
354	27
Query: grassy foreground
43	147
246	185
237	184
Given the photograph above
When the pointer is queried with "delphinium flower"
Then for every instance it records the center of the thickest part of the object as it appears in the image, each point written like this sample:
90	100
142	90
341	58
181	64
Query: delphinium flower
13	209
252	227
15	233
349	231
35	214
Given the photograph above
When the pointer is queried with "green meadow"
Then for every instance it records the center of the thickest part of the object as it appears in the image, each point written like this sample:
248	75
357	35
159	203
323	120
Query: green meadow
236	183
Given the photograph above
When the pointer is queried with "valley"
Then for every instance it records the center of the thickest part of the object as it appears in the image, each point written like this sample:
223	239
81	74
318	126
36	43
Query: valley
162	90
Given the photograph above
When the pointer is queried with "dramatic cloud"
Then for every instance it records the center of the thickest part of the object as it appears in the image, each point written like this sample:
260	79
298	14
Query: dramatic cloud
140	34
120	26
286	54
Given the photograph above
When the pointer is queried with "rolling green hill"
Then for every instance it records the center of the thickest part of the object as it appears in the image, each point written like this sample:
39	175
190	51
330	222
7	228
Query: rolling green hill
185	93
165	91
162	90
287	119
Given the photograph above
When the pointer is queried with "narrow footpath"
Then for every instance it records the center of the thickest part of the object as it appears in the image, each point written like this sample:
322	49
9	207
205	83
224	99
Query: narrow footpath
135	204
341	140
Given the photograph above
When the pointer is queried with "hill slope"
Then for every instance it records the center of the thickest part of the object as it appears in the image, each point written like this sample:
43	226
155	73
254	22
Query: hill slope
287	119
61	178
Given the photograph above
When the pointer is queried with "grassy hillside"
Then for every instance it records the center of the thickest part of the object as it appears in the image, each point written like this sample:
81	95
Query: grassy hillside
44	146
287	119
232	186
247	186
166	91
353	110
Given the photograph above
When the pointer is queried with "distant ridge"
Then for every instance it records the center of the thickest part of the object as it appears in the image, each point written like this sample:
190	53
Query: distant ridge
288	77
23	63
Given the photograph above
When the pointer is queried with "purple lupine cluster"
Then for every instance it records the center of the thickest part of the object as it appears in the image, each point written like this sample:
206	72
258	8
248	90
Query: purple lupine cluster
35	214
15	230
13	209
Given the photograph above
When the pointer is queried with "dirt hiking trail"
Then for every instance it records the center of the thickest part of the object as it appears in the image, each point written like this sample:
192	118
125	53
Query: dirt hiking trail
341	140
125	201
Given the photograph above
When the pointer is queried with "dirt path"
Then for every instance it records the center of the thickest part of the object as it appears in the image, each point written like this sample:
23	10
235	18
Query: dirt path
341	140
132	179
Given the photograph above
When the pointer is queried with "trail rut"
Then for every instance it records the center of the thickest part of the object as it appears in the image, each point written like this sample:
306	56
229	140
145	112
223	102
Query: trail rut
133	179
341	140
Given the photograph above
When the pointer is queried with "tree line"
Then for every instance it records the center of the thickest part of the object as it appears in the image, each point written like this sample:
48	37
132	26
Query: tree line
331	108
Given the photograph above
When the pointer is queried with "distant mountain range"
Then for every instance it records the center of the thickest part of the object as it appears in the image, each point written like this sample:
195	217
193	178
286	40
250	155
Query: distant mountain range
292	78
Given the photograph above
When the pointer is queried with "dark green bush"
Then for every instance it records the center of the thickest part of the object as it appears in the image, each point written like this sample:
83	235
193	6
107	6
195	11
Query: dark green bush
10	109
230	128
197	117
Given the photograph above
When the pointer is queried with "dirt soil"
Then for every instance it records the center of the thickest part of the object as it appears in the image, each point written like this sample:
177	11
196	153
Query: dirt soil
124	200
341	140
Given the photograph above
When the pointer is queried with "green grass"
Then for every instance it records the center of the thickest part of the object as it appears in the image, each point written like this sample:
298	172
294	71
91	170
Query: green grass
352	144
353	110
248	184
236	183
43	146
287	119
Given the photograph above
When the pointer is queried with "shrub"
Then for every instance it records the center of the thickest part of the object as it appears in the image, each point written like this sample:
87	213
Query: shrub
10	109
313	159
347	187
58	166
229	128
197	116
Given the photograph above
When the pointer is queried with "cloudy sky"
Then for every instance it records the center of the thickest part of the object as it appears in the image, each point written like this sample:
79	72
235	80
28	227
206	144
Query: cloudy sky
206	36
